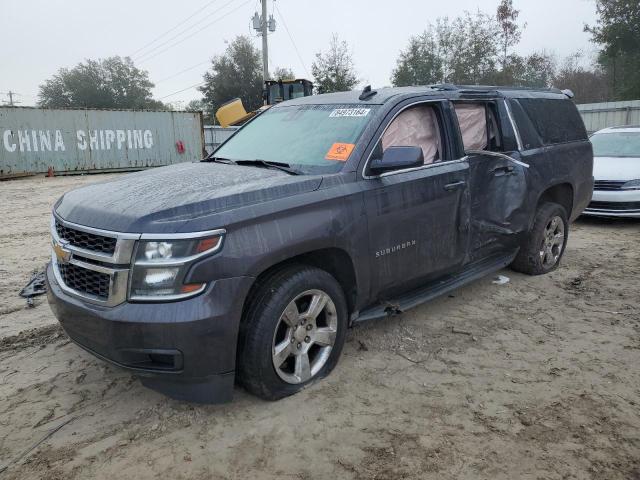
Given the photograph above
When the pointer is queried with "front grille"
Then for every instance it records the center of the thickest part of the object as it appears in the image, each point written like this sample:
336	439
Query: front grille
85	281
608	184
86	240
617	206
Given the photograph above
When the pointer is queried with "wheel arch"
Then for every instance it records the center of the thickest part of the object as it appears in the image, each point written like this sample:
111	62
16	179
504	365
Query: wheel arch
560	193
333	260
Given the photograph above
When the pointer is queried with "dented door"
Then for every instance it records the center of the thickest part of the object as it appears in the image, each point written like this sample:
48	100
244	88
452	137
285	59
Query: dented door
498	191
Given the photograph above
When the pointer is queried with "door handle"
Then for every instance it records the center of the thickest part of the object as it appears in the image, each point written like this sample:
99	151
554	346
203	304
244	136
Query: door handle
501	171
453	186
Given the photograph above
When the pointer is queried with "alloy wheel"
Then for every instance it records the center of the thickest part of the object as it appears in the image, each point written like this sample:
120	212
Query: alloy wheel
304	336
552	242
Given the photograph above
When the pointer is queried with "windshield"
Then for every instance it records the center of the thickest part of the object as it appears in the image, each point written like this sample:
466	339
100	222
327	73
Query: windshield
310	138
289	90
619	144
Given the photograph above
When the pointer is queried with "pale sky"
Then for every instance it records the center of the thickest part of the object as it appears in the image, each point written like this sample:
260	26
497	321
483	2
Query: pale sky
37	37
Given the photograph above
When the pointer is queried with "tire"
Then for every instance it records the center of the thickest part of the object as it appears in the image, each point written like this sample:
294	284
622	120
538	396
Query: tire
279	326
540	253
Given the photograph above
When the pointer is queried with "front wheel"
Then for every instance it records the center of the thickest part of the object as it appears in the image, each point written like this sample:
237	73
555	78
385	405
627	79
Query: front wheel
292	333
543	248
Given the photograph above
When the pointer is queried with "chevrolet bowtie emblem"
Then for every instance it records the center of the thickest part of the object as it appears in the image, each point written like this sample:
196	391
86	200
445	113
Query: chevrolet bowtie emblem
61	254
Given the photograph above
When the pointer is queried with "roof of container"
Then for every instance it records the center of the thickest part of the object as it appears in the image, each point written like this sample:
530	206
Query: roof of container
382	95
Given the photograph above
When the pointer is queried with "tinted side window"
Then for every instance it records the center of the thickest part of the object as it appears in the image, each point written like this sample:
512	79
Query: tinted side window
556	121
526	129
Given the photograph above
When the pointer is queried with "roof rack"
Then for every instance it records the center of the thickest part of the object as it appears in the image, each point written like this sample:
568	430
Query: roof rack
447	87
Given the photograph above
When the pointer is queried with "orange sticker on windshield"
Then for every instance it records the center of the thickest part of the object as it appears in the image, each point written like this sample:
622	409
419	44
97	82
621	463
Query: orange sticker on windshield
340	151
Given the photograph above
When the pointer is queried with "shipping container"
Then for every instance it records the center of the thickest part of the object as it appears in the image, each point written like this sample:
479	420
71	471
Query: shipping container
38	140
597	116
214	136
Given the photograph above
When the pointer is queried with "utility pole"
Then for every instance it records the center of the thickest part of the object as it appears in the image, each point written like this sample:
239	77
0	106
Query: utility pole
265	45
11	102
263	25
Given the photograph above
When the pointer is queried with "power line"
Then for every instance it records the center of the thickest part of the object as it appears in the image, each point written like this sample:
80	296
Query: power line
183	90
184	30
173	28
292	40
181	72
146	57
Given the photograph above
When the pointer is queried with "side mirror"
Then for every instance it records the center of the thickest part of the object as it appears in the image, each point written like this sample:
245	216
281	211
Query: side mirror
397	158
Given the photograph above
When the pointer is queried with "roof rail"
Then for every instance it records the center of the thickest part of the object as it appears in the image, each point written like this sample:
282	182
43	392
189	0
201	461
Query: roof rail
448	87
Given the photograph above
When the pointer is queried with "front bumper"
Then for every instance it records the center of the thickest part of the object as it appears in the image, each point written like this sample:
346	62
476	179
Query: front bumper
184	349
614	203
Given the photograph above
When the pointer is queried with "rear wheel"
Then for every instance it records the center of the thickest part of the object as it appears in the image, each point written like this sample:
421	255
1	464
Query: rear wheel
543	249
293	332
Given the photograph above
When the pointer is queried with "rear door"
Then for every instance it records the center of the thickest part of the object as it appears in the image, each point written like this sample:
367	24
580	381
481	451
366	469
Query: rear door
417	217
497	186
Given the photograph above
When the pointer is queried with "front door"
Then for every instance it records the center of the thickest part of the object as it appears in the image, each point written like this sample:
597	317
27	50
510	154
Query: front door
417	218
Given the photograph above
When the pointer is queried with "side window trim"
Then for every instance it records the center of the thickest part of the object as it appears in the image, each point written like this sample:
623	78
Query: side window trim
512	121
378	139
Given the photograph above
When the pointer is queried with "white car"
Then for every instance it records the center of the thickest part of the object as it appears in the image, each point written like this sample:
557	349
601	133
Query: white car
616	169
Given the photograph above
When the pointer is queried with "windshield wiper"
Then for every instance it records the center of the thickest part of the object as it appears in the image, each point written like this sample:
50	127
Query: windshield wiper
226	161
285	167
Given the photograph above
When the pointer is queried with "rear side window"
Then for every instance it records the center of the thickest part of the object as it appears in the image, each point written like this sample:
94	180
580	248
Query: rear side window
555	121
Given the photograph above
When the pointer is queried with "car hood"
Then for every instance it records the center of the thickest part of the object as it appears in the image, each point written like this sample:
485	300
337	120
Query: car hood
616	168
165	198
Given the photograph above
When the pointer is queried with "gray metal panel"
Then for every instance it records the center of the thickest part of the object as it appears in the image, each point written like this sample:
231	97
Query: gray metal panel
32	140
215	136
597	116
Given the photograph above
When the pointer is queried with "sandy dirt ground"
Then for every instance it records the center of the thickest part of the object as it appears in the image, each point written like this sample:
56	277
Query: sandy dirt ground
542	383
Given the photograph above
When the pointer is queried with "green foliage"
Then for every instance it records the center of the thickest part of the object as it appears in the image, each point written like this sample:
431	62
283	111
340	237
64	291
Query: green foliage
113	82
236	74
420	63
283	73
590	85
195	106
463	51
617	31
475	49
334	71
510	31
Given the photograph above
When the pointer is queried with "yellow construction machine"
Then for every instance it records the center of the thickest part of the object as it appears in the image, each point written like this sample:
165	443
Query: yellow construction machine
233	112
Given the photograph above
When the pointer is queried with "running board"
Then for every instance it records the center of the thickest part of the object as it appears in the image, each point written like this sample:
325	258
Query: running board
424	294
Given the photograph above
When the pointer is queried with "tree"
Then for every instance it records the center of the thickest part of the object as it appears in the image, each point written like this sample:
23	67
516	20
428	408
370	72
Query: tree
460	51
283	73
590	85
510	31
420	63
334	70
235	74
473	49
112	82
536	70
617	32
194	106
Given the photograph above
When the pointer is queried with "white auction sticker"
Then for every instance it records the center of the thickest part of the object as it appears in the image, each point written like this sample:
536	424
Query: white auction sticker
350	112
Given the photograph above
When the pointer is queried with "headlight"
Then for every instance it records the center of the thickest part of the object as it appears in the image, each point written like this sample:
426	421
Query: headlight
161	264
632	185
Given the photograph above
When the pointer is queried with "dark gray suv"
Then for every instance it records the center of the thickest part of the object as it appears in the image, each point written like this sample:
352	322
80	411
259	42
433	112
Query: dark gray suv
321	212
